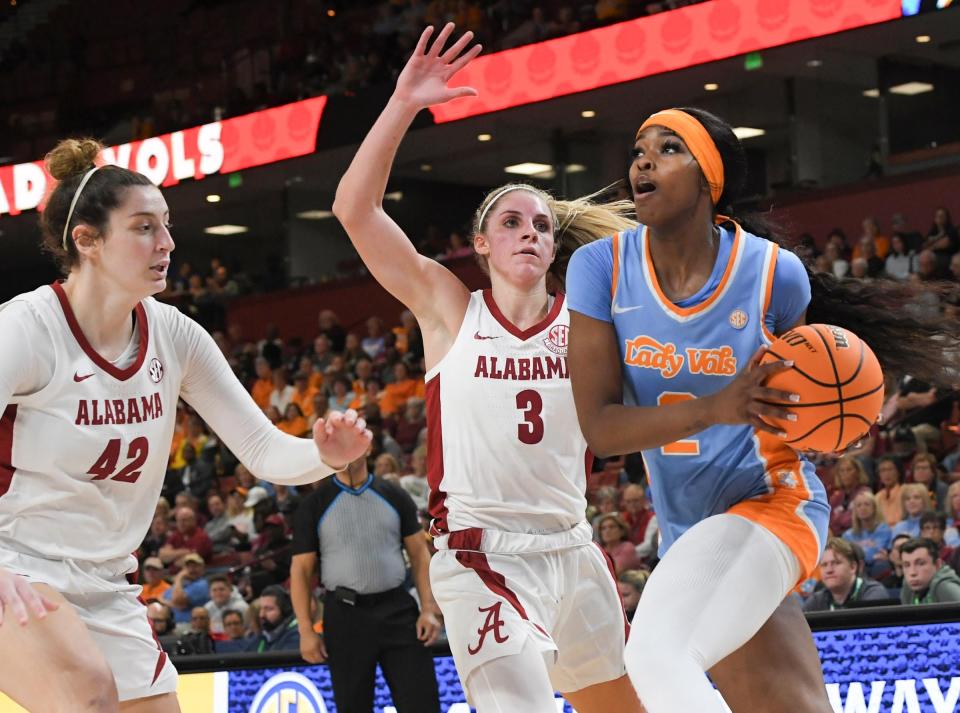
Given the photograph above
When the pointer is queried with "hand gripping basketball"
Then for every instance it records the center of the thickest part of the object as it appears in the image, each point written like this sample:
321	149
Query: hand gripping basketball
748	399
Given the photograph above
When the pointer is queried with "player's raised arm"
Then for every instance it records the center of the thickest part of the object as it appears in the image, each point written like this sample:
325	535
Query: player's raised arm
432	292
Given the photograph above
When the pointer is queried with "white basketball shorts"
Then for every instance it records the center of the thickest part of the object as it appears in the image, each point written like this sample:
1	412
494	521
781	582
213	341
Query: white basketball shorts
496	590
116	618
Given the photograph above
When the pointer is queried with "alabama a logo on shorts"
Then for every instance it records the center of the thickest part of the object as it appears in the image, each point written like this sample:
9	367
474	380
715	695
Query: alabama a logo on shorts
492	624
156	370
557	338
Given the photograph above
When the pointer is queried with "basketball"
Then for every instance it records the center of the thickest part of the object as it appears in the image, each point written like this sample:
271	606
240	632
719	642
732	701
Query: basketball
839	381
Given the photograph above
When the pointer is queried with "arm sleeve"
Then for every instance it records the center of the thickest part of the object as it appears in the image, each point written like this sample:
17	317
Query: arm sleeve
306	540
26	352
791	293
211	388
588	279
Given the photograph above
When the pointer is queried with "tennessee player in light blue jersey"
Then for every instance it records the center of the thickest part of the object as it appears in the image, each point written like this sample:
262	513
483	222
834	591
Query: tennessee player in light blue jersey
668	323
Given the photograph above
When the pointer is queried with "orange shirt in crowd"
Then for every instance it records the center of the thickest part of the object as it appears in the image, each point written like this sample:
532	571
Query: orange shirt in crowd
361	401
891	508
395	395
316	380
883	247
261	391
304	400
296	427
154	591
402	341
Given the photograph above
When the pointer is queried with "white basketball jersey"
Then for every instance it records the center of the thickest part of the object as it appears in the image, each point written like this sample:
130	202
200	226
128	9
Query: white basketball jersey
505	450
82	459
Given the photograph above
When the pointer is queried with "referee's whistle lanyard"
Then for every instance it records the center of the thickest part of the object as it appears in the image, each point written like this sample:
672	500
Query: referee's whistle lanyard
857	586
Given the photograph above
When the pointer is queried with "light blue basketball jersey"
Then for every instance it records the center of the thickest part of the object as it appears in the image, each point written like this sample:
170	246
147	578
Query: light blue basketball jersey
670	353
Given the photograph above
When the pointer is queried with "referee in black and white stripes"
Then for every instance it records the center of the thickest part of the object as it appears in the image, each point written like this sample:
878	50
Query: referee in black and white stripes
355	524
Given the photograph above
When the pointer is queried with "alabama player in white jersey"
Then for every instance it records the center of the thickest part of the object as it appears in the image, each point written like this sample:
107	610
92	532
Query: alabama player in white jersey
529	601
90	372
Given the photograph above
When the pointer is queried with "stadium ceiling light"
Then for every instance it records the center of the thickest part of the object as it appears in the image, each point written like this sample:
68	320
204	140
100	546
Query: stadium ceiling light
911	88
872	93
484	137
331	13
576	168
226	229
529	168
426	167
922	39
814	63
746	132
315	214
588	113
711	86
393	196
213	198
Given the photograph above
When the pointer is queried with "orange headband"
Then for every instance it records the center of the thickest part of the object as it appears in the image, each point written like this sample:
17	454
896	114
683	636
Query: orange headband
697	139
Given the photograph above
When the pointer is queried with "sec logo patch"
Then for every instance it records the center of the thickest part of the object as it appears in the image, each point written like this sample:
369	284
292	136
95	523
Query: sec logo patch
738	319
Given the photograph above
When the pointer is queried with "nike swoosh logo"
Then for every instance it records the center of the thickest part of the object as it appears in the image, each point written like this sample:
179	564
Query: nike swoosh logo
78	378
617	309
479	336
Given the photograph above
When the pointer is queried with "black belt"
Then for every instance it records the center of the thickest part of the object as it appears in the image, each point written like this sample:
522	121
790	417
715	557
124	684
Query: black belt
349	596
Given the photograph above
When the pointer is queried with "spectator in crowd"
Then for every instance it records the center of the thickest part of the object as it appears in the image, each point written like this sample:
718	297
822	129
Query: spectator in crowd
262	388
319	409
354	524
287	500
925	470
901	262
154	584
630	584
283	392
850	479
278	624
942	238
838	264
868	253
341	398
843	584
952	534
304	393
607	500
374	343
640	520
933	526
415	483
926	579
408	339
912	240
185	540
163	625
369	396
890	477
386	466
156	537
196	639
870	532
196	476
330	327
353	352
916	500
404	387
293	421
196	435
189	590
322	353
871	236
408	424
218	527
235	632
363	372
893	580
613	533
860	268
239	518
271	548
223	597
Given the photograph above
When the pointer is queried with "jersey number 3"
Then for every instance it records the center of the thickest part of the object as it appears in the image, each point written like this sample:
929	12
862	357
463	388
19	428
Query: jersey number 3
688	446
531	430
106	465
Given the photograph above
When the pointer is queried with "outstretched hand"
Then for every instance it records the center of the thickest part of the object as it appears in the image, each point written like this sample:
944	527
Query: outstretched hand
423	81
747	399
341	438
19	600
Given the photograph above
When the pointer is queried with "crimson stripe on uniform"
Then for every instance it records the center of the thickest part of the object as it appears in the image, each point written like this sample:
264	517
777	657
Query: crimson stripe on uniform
494	581
436	503
610	569
162	657
588	464
6	447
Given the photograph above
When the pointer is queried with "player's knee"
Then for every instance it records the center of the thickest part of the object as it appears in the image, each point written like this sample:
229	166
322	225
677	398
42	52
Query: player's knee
89	688
646	662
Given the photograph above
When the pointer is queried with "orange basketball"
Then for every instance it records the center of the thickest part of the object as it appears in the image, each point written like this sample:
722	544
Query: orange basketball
840	385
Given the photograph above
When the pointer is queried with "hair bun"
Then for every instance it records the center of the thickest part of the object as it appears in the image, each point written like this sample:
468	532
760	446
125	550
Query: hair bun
72	157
